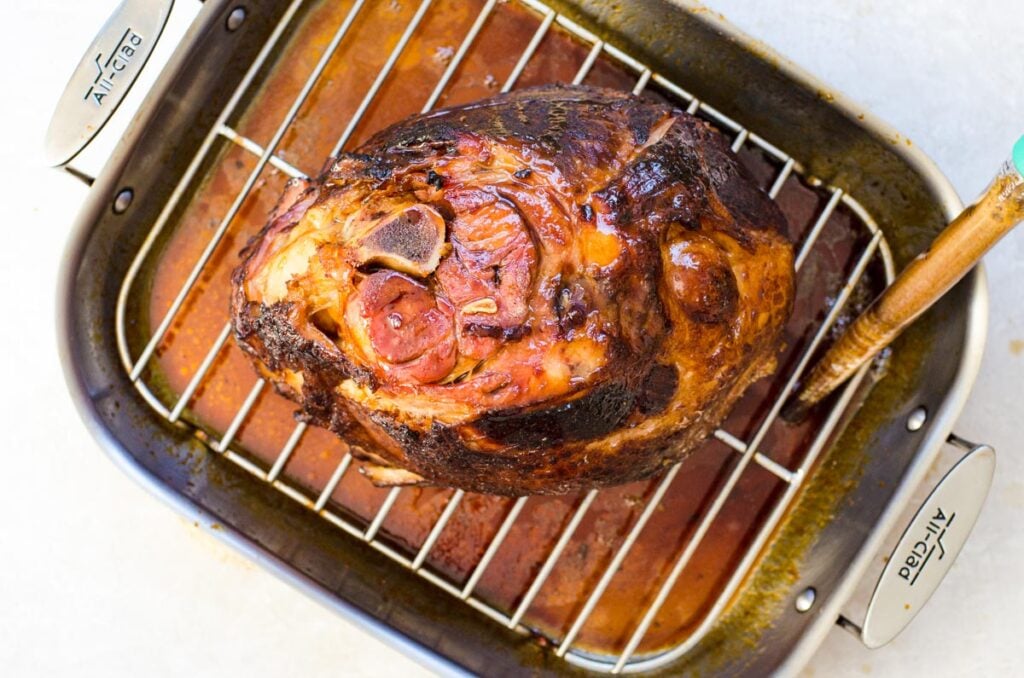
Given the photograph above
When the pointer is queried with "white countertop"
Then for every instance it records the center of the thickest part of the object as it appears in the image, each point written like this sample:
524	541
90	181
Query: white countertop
98	578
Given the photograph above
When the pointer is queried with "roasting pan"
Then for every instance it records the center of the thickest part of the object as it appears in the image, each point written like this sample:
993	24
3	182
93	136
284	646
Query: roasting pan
835	496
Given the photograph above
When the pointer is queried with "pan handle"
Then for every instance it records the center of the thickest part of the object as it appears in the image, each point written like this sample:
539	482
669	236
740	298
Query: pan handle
107	71
929	545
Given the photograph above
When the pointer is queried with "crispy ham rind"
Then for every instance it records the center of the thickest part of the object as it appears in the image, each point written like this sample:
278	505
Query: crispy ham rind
551	290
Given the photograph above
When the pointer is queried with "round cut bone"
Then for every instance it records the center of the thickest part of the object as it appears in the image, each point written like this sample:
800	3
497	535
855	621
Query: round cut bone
410	241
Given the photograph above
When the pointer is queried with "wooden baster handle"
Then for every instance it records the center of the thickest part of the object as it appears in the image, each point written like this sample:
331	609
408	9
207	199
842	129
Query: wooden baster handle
955	251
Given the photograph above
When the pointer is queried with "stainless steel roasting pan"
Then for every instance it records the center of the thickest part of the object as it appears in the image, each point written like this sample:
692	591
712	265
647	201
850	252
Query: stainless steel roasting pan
886	435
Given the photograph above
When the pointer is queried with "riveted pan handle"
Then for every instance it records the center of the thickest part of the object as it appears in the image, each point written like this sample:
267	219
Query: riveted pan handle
103	77
929	545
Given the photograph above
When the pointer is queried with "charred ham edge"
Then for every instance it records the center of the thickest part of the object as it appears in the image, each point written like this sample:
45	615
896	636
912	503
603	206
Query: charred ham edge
551	290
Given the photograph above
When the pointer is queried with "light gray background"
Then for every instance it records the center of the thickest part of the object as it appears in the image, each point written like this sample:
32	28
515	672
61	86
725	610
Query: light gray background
97	578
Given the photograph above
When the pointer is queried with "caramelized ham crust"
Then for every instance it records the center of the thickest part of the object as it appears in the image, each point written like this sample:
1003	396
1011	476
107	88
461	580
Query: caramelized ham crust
545	291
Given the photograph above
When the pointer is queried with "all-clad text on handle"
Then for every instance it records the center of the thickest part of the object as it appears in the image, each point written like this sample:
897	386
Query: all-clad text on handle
929	545
103	77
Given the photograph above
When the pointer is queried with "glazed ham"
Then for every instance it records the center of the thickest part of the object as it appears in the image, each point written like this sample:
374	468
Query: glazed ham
546	291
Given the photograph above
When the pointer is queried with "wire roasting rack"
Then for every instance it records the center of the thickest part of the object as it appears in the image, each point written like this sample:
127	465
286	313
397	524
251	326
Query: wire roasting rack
749	451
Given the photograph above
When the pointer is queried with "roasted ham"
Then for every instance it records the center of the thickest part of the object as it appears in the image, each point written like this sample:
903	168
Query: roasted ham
550	290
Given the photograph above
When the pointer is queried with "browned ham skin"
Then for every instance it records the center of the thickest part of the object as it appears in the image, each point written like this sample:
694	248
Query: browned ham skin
546	291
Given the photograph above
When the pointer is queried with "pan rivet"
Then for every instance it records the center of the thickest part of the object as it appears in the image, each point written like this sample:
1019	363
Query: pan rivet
917	419
805	600
236	18
123	200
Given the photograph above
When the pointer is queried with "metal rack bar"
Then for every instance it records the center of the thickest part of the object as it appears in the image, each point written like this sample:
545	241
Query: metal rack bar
565	22
780	180
225	222
291	493
467	42
740	139
257	150
620	556
381	77
624	58
382	513
556	552
240	416
244	463
524	58
332	484
348	527
721	118
197	378
780	471
883	247
589	62
286	452
492	548
642	82
812	237
672	88
771	149
435	531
